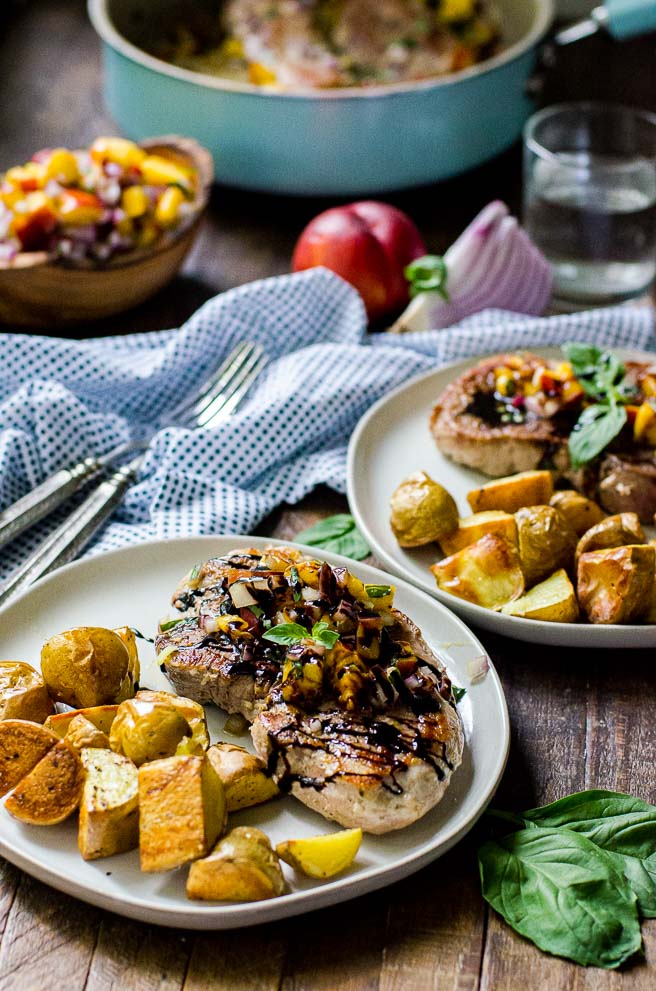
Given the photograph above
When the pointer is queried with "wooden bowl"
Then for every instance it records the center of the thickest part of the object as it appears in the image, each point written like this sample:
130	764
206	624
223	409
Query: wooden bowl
36	291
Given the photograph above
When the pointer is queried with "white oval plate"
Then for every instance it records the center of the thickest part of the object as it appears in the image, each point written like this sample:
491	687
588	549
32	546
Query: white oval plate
133	587
392	440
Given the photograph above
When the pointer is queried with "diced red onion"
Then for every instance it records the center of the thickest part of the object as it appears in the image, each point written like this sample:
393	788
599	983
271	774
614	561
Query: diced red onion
310	594
477	668
241	596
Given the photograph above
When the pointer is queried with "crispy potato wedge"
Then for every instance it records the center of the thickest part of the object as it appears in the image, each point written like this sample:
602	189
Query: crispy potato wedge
552	601
22	745
89	666
241	868
422	511
614	531
487	573
616	585
182	811
23	693
81	733
528	488
102	717
322	856
109	809
580	513
546	542
243	776
472	528
52	790
193	712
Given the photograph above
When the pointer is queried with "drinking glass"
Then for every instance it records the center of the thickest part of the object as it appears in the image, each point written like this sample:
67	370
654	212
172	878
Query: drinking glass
590	199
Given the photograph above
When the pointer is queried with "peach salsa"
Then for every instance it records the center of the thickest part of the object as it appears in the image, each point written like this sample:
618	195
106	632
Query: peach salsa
88	206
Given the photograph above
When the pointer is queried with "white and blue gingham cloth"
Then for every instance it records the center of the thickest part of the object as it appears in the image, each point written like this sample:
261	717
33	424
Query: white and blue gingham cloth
63	400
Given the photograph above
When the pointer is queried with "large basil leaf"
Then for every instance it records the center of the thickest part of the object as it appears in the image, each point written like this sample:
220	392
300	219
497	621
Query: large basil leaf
596	427
622	825
562	892
338	534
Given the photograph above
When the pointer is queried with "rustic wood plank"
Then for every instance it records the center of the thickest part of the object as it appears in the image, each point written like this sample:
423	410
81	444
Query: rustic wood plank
238	960
48	942
10	878
134	957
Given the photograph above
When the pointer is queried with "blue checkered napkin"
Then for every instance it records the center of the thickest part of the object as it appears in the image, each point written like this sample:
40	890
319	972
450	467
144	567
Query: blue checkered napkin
63	400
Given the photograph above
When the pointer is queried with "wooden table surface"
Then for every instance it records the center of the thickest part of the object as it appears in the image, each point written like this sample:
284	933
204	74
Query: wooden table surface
579	719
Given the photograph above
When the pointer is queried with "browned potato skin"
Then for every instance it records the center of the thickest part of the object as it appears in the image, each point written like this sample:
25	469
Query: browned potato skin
81	733
615	531
23	694
243	776
487	573
88	666
615	585
51	792
472	528
527	488
546	542
22	745
422	511
147	730
102	717
580	513
242	868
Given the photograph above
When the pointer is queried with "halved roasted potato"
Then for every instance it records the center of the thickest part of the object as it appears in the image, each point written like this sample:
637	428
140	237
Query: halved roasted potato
241	868
152	726
580	513
243	776
182	811
472	528
552	601
422	511
546	542
22	745
23	693
527	488
52	790
109	808
615	531
488	573
89	666
193	712
615	585
322	856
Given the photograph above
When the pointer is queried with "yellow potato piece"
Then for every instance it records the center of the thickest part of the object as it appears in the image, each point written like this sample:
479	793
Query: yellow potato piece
472	528
552	601
615	585
243	776
487	573
322	856
102	717
241	868
527	488
109	812
51	791
23	694
422	511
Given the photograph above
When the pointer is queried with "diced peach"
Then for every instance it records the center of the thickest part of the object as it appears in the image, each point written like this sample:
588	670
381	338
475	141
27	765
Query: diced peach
159	171
27	177
134	201
644	426
76	207
168	206
62	166
120	151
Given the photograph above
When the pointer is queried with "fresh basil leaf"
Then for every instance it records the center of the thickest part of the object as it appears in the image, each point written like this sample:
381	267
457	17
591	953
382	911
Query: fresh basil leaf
378	591
458	693
338	534
583	358
286	633
622	825
323	634
170	623
596	427
558	889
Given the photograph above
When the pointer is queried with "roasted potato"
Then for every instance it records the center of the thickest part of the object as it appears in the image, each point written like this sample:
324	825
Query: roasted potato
89	666
52	790
193	712
241	868
23	694
580	513
242	775
182	811
614	531
528	488
422	511
102	717
487	573
546	542
322	856
616	585
81	733
22	745
149	729
472	528
109	808
552	601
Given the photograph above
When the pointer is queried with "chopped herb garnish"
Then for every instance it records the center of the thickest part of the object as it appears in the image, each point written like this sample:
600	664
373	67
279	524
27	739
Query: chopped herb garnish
295	583
169	624
256	611
378	591
458	693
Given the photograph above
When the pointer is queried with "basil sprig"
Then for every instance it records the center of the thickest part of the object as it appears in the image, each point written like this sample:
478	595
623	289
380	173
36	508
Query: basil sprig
575	875
289	634
338	534
601	376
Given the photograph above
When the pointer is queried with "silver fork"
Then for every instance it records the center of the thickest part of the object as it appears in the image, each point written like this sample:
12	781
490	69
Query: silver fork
217	397
217	400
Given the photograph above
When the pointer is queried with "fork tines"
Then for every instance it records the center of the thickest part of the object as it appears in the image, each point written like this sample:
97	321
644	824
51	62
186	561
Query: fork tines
224	389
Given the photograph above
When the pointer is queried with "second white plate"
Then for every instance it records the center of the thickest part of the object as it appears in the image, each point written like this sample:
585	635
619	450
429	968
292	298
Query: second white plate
391	441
